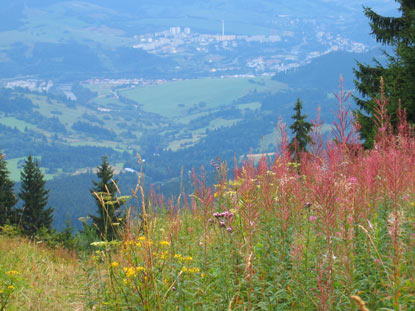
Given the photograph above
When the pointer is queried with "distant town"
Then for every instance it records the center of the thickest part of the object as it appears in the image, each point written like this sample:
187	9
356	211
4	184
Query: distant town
177	40
222	55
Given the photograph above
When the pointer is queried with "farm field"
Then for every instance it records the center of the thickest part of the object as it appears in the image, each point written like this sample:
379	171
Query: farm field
173	99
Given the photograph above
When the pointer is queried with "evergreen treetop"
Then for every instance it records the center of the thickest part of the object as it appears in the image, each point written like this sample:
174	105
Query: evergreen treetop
107	222
7	197
398	75
300	129
34	215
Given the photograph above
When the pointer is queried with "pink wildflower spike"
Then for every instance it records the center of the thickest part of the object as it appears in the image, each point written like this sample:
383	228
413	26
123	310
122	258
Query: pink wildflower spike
229	229
312	218
352	180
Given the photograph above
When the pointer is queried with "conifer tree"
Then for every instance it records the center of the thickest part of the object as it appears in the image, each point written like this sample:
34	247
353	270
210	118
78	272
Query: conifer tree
7	197
300	129
34	215
398	74
107	222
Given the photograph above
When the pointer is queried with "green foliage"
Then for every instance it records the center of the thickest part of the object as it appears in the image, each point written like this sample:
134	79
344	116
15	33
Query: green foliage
7	197
34	215
398	75
301	129
109	218
10	281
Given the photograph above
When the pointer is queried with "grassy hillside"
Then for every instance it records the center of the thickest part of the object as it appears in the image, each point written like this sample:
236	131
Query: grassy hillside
34	277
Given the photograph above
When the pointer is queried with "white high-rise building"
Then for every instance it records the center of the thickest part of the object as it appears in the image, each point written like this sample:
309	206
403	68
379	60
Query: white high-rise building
175	30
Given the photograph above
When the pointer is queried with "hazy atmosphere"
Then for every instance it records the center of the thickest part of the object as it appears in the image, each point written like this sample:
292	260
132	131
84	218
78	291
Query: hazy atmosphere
196	107
169	80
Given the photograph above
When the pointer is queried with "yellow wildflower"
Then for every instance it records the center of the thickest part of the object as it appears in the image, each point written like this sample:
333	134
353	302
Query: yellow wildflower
12	272
129	272
190	270
10	287
138	269
114	264
165	243
183	258
141	238
126	243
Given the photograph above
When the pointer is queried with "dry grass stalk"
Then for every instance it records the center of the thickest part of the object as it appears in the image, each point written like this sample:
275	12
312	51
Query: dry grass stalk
360	303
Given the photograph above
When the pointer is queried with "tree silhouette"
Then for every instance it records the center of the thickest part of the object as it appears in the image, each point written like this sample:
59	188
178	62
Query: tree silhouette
7	197
34	215
398	75
300	129
108	220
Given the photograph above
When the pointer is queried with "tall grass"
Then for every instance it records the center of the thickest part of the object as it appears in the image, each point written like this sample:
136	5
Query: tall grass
334	231
35	277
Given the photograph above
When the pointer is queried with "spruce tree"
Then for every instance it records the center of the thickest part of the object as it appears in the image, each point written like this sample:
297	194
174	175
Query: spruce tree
300	129
34	215
7	198
398	74
108	218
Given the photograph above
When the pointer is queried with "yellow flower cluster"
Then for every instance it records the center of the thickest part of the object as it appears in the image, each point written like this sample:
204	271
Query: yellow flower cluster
164	243
162	255
114	264
190	270
11	287
12	272
183	258
131	272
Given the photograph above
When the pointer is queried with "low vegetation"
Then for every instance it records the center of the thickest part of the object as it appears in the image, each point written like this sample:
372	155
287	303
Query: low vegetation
330	230
333	231
35	277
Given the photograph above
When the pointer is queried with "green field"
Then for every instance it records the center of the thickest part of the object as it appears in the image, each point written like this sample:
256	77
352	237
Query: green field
173	99
13	122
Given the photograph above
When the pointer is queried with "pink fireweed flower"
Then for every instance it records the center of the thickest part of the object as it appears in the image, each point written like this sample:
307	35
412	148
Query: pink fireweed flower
352	180
312	218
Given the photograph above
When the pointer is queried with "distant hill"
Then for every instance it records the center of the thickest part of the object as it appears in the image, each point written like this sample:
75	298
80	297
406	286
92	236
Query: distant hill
79	39
324	72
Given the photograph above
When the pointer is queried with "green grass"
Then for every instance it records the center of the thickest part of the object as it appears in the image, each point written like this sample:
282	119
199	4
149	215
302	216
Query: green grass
41	278
166	99
13	122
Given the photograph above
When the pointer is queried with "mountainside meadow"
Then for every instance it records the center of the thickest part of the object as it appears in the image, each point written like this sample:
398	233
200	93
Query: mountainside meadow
332	231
